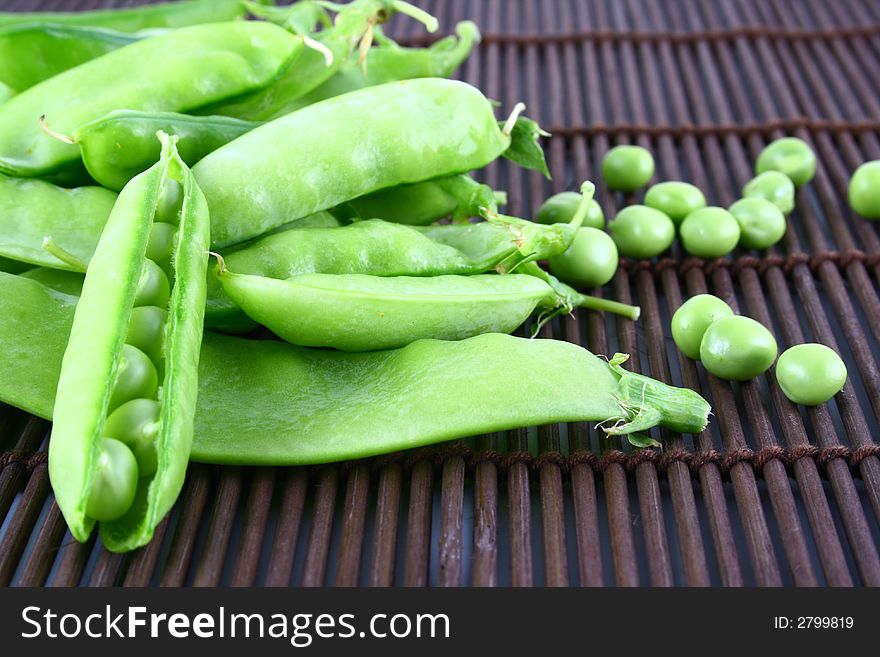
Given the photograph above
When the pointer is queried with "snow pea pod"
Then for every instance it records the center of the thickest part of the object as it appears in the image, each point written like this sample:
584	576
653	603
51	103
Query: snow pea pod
33	52
263	402
133	19
228	59
68	282
33	210
118	146
422	203
407	131
381	248
329	49
388	62
123	419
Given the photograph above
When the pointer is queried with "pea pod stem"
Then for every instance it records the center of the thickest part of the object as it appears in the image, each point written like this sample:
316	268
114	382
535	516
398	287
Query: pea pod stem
63	255
518	109
431	24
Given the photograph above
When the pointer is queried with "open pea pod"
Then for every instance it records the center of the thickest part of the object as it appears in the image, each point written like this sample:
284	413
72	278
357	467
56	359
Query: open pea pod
127	389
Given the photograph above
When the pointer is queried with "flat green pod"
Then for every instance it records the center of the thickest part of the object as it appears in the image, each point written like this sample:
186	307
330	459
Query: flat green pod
152	74
72	219
264	402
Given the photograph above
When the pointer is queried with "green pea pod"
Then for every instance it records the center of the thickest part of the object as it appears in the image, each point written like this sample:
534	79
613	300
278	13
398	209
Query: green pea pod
154	74
263	402
68	282
6	92
330	48
98	447
388	62
72	219
381	248
299	164
422	203
13	266
33	52
118	146
133	19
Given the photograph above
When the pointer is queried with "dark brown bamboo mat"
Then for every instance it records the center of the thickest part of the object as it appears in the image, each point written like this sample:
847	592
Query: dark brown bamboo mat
770	494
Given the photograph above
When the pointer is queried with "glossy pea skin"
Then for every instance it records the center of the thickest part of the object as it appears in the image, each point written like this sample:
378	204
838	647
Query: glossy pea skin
761	223
114	482
790	156
626	168
560	208
692	319
810	374
161	244
136	424
146	331
737	348
153	286
136	377
355	312
642	232
864	190
279	172
675	199
773	186
590	261
709	232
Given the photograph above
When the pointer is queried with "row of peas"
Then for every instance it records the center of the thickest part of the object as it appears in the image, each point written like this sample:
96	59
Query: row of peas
705	328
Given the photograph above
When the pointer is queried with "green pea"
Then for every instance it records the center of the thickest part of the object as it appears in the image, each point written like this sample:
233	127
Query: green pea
737	348
161	244
791	156
864	190
560	209
590	261
810	374
146	331
153	287
114	482
170	202
774	186
761	223
135	377
626	168
709	232
642	232
675	199
136	424
693	318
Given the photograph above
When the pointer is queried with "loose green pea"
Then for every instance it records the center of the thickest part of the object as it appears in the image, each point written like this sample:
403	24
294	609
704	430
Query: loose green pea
864	190
774	186
693	318
642	232
146	331
590	261
810	374
675	199
626	168
560	209
136	377
790	156
136	424
114	482
161	244
153	286
737	348
709	232
761	223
